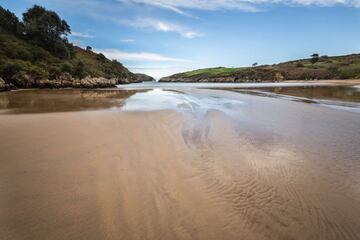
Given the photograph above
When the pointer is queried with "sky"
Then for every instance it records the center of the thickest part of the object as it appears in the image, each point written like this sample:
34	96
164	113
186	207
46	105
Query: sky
163	37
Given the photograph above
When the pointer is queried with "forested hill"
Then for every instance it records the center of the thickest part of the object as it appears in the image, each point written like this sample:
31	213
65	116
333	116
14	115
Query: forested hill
316	67
35	52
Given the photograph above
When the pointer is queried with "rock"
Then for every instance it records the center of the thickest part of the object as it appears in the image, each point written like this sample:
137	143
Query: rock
101	82
127	80
87	82
279	77
143	77
22	80
66	76
2	85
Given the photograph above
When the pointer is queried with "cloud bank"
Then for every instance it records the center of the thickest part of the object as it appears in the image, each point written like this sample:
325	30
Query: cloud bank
137	56
163	26
81	35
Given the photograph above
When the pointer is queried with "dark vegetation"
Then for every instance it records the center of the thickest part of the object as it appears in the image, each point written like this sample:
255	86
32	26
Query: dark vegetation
143	77
37	48
315	68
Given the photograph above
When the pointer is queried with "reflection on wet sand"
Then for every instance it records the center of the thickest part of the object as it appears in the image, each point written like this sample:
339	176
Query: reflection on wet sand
61	100
333	95
340	93
189	164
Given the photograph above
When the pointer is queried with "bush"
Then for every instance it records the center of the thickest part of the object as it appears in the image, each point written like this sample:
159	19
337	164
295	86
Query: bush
10	69
67	67
71	50
101	57
60	50
38	73
79	70
38	54
299	64
54	73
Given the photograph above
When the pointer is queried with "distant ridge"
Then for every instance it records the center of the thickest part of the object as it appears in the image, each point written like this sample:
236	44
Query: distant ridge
316	67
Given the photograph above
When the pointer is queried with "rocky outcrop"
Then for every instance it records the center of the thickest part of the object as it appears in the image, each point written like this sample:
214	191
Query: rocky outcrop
88	82
22	80
143	77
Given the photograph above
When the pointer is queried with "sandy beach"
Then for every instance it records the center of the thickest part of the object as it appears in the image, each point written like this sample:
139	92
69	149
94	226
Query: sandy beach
192	164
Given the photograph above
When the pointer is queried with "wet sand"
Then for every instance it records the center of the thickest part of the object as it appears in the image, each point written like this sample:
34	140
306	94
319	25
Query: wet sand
192	164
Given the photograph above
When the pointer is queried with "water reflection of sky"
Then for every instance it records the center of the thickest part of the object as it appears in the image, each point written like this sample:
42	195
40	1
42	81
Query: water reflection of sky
231	101
159	99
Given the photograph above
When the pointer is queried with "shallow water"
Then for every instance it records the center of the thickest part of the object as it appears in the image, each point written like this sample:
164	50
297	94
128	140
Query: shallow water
338	93
179	85
177	96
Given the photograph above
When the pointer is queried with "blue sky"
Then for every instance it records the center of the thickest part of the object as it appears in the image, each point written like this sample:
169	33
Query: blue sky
162	37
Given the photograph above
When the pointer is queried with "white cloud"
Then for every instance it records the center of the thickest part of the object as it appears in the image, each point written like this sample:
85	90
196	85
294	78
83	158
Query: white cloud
137	56
178	6
151	24
81	35
163	26
127	40
160	4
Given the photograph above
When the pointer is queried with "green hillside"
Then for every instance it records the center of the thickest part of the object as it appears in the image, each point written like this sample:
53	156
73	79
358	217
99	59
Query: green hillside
316	67
29	52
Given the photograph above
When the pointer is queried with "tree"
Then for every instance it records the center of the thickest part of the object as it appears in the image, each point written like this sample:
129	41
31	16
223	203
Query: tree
9	22
314	58
254	64
71	49
79	70
88	48
9	69
45	27
61	50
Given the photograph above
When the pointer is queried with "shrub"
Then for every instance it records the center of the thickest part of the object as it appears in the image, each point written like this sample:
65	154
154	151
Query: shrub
38	73
101	57
60	50
54	72
67	67
71	50
79	70
10	69
38	54
299	64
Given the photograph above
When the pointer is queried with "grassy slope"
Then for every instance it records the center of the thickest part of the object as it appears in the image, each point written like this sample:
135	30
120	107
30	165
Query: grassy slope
40	64
340	67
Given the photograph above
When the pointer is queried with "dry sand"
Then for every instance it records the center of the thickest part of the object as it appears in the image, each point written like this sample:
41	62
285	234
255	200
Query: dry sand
289	171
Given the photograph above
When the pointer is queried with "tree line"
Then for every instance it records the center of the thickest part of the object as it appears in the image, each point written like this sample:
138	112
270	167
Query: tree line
41	27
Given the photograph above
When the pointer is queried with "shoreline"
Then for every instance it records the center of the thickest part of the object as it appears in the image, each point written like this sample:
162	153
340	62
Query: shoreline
100	83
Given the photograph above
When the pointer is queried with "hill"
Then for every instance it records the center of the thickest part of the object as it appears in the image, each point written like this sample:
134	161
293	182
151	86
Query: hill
144	78
314	68
31	55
